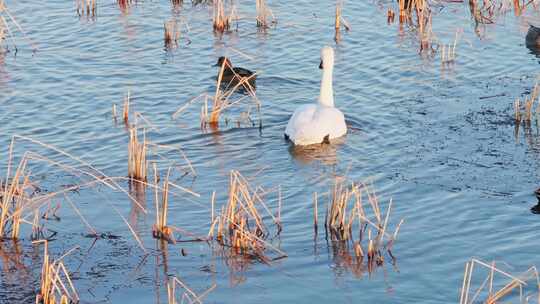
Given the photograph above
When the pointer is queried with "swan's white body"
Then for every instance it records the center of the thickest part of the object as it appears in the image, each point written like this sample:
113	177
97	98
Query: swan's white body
315	123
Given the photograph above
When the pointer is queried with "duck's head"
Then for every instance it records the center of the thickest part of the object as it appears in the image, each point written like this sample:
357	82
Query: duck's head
223	60
327	58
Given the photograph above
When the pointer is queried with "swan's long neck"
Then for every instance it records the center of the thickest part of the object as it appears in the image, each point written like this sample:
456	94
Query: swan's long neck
326	98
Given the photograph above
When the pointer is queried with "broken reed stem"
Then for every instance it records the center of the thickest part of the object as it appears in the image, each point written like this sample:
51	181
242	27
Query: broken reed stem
337	24
221	21
171	34
345	211
263	13
56	285
126	107
240	226
13	200
160	230
137	163
390	16
217	105
87	8
448	51
517	111
189	293
114	111
315	213
528	106
493	297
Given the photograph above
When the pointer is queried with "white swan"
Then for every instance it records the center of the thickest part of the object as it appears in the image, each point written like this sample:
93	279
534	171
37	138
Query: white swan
320	122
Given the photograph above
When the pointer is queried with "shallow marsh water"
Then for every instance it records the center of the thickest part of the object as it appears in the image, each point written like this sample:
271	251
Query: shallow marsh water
437	140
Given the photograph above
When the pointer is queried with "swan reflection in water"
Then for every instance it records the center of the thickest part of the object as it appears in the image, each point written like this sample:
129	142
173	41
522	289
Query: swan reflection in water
325	153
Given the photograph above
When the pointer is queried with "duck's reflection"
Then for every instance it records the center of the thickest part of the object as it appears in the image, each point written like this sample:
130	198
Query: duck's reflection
325	153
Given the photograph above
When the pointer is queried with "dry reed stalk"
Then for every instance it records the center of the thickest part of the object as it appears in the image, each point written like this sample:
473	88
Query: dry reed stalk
186	160
345	211
35	200
337	24
13	199
517	111
137	163
217	105
390	16
6	15
171	34
56	285
125	114
86	7
528	107
424	18
315	213
263	14
221	21
492	297
221	100
404	10
37	229
189	294
177	4
448	52
339	21
124	4
240	225
160	230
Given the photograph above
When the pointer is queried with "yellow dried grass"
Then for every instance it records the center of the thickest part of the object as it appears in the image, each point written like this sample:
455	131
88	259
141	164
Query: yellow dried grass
137	163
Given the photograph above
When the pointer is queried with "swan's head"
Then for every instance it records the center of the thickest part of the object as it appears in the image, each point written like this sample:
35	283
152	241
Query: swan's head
223	60
327	57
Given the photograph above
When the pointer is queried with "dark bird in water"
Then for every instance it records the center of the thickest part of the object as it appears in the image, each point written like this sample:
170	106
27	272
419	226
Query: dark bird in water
536	208
233	75
533	37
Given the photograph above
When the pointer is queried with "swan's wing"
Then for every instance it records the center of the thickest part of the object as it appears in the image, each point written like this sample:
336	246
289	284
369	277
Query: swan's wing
330	121
301	117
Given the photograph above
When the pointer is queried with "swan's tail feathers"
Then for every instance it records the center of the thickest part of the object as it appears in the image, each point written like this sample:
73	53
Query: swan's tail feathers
326	139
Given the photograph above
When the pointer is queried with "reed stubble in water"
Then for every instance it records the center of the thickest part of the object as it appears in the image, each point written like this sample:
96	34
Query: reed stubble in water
220	20
86	8
240	225
523	111
498	285
345	214
137	163
264	14
339	21
171	34
56	285
160	230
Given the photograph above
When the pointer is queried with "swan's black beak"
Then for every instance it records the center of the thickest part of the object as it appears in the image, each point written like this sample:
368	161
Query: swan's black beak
320	65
